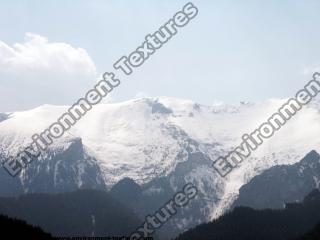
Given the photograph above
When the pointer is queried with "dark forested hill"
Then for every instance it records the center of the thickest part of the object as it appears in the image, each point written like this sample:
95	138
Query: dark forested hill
244	223
80	213
281	184
12	229
312	235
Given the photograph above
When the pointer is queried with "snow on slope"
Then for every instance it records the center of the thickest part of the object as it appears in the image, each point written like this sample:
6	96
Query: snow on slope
133	139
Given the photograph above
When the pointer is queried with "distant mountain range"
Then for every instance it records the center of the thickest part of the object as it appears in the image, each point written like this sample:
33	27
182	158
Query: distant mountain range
158	143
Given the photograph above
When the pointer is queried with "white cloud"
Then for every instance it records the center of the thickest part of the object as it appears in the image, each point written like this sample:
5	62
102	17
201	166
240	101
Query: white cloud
37	72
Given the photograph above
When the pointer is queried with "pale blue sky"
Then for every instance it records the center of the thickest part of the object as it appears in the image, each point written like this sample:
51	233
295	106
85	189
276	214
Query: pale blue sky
232	51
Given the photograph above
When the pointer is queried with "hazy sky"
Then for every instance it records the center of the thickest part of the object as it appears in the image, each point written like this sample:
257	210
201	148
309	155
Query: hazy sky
232	51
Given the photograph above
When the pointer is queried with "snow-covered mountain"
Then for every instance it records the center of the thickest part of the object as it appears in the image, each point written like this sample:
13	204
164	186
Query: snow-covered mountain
161	143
